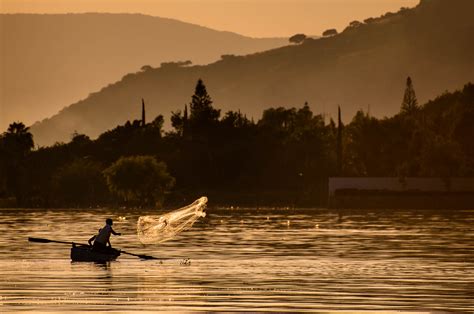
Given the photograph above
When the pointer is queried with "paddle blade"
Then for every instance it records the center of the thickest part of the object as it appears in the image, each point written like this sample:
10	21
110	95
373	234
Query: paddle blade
142	256
39	240
147	257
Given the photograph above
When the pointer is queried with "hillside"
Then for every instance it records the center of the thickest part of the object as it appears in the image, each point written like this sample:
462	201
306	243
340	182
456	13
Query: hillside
49	61
365	65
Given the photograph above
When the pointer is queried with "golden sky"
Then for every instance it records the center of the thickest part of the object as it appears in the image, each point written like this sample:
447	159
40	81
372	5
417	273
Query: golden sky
257	18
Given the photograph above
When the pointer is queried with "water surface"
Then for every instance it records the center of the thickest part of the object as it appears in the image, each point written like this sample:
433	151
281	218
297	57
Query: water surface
245	259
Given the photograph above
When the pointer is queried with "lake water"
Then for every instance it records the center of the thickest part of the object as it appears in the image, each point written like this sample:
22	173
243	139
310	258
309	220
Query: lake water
284	260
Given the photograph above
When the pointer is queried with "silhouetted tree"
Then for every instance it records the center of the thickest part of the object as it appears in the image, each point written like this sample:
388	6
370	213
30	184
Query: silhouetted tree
365	144
410	103
403	10
330	32
228	57
146	68
203	115
340	127
234	120
16	143
463	129
369	20
176	64
389	14
18	139
297	39
185	119
143	113
286	156
355	24
139	179
178	121
80	183
157	124
441	157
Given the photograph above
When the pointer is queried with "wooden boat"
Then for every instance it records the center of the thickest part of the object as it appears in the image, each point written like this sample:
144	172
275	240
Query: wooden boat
84	253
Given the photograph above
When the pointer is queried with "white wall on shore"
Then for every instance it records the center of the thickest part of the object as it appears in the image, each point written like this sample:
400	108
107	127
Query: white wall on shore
398	184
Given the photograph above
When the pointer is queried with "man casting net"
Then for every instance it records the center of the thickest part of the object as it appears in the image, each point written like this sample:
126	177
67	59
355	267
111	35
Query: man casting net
157	229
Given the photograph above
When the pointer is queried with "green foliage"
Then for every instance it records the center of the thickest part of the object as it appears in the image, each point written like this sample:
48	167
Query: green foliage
176	64
410	102
15	146
79	183
433	140
203	118
288	154
146	68
179	122
203	113
364	142
441	157
339	145
130	139
330	32
296	146
18	140
139	179
352	69
355	24
297	39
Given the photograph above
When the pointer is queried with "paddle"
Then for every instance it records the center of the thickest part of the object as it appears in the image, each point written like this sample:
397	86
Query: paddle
142	256
41	240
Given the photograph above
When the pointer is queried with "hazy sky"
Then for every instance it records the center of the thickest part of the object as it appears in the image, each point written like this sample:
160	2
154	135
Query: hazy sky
257	18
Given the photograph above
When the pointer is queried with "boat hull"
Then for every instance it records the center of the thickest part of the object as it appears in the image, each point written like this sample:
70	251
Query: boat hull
86	254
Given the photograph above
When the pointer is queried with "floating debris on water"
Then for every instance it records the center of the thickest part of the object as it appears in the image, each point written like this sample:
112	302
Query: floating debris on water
185	262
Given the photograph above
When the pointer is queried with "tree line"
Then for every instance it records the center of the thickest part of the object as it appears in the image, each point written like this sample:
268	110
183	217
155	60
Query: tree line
284	158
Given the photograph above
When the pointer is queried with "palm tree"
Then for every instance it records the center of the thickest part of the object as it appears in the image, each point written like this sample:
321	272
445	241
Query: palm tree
15	144
18	140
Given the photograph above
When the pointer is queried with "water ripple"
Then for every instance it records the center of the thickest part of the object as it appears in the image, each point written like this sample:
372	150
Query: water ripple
287	260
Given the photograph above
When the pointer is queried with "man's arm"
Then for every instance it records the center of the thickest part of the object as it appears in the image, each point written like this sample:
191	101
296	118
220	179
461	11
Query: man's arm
115	233
91	239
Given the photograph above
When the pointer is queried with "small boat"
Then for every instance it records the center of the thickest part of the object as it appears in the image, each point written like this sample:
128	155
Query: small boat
85	253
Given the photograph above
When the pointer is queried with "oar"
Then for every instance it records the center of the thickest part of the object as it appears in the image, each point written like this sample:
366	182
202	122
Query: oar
142	256
41	240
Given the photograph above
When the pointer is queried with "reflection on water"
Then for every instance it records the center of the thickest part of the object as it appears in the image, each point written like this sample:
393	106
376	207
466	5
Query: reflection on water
245	260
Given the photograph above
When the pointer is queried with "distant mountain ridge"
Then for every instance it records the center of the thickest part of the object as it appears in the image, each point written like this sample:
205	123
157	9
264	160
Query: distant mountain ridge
51	60
363	67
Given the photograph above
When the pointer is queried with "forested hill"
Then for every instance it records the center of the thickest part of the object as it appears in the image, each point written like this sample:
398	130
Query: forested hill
49	61
365	65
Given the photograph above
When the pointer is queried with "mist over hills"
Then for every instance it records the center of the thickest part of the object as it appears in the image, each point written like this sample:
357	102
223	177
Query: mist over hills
366	65
52	60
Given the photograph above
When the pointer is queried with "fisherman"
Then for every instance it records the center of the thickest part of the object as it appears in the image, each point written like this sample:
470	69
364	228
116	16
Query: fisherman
102	239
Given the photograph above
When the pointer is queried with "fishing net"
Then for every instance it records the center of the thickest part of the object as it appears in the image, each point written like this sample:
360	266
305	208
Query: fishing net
157	229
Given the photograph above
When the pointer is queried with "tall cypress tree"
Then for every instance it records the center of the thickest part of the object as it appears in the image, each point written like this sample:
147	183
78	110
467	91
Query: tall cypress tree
185	120
339	141
143	112
410	103
185	115
202	113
